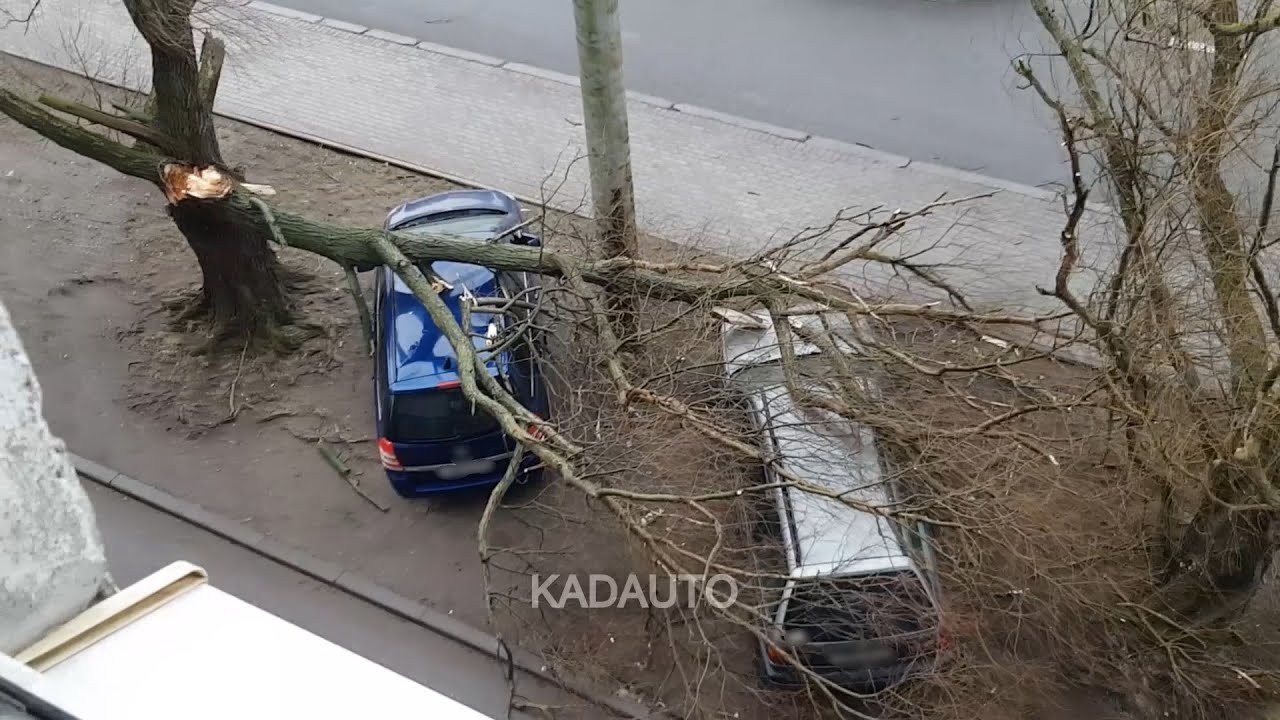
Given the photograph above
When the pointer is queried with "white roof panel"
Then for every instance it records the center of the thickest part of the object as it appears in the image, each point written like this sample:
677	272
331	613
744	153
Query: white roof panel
206	655
819	448
824	450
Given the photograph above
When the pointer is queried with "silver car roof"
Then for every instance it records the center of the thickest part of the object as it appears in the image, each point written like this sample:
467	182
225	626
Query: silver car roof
820	448
749	339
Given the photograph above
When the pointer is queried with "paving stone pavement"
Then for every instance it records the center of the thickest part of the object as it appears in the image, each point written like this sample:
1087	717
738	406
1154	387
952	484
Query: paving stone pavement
730	186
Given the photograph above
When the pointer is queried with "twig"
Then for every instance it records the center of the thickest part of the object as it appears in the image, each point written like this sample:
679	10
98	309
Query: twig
1264	222
345	473
316	437
515	229
276	415
231	396
482	531
10	18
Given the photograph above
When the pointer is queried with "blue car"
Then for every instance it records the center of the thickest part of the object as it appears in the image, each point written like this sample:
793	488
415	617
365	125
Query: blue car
432	439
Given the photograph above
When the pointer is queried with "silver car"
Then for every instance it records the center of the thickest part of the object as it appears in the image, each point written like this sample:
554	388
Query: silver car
860	603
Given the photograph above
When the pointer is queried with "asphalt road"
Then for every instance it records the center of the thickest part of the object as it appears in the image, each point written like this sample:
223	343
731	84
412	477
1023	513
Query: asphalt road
928	79
141	540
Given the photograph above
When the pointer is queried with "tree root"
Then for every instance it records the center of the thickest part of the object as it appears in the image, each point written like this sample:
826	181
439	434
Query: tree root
279	338
186	306
283	334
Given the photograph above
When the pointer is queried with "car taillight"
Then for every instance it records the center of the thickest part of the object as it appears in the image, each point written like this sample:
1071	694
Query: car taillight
776	655
536	432
387	452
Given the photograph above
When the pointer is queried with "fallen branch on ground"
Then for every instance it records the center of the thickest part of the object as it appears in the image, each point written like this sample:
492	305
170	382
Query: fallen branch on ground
345	473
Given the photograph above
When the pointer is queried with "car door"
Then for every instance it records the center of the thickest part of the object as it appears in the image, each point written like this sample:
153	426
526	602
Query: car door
527	351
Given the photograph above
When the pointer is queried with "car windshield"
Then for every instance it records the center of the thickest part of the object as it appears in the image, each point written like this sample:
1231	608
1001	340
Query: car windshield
474	223
435	415
862	608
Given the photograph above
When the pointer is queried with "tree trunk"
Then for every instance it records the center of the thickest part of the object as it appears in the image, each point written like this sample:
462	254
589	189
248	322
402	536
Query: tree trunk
242	291
1224	553
604	111
181	113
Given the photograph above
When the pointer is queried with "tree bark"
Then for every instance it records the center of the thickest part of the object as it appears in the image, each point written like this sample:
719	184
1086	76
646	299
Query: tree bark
1223	554
242	288
180	112
604	111
1225	241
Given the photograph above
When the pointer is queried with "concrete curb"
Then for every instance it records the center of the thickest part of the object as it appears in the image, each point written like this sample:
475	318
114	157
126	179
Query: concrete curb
353	584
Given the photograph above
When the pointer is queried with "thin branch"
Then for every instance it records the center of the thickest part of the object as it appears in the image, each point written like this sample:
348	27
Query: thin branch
482	530
1265	292
133	129
346	474
362	307
1252	27
12	19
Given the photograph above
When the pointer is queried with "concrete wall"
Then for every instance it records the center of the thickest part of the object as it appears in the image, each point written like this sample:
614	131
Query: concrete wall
52	562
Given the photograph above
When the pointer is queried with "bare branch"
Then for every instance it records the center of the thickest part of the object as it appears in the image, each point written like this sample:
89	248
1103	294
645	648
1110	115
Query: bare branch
128	127
362	307
1253	27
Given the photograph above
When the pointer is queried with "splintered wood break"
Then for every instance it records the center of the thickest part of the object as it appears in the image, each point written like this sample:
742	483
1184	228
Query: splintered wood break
187	181
205	183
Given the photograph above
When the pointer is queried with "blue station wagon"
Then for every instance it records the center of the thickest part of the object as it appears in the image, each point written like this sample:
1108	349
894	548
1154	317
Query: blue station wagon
431	438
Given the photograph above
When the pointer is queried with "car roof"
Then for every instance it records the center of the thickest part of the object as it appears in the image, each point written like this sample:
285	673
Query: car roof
749	339
419	356
453	201
828	537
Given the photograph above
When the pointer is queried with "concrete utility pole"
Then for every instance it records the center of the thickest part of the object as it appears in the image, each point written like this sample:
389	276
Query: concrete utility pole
52	563
604	109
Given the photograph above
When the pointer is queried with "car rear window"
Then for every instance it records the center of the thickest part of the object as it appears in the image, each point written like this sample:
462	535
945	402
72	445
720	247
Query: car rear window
863	608
471	221
441	414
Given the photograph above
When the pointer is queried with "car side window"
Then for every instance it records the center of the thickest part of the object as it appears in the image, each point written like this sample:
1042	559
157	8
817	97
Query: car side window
912	532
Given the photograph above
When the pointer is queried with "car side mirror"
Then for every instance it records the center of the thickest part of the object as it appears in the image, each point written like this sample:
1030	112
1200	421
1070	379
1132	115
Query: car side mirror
528	239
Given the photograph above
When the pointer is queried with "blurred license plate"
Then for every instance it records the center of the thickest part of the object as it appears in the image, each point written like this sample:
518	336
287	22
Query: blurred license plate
861	656
465	468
